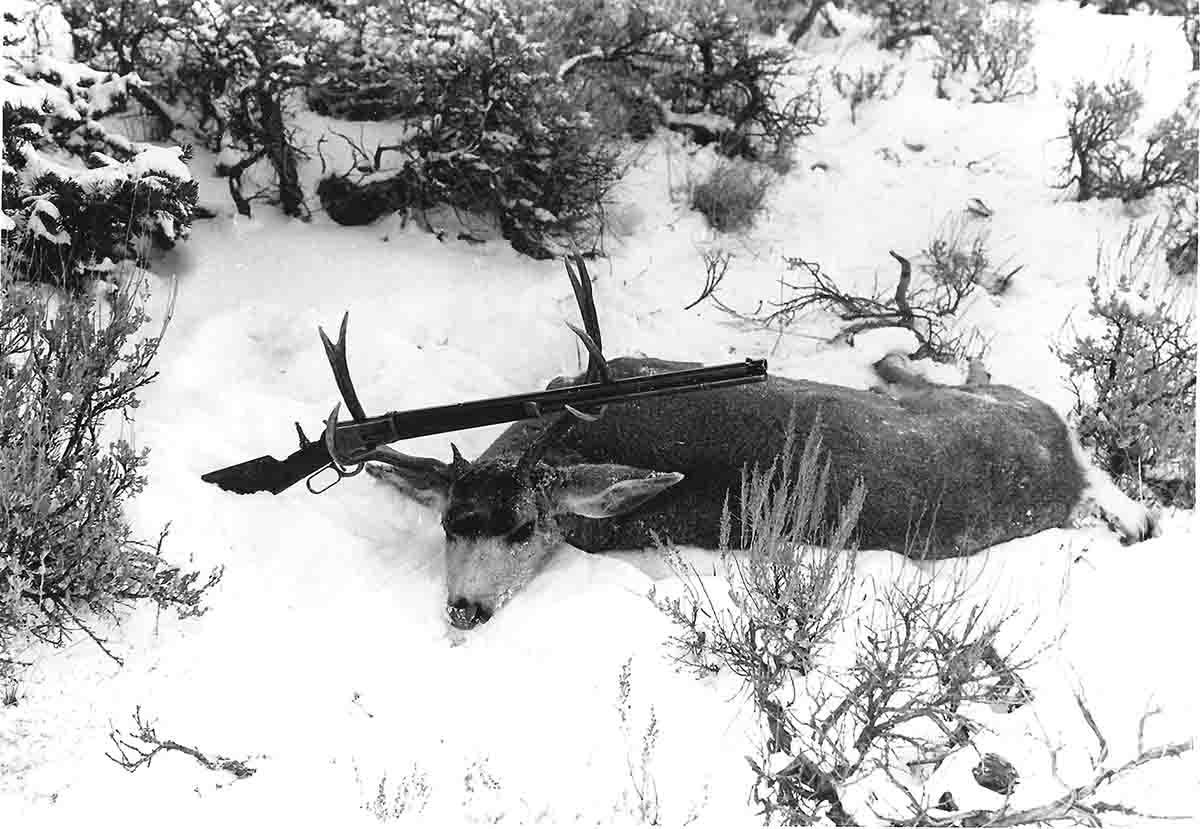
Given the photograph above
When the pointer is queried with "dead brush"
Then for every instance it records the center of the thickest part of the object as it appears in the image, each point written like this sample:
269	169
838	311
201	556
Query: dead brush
867	84
958	258
921	658
1105	162
991	43
927	308
732	195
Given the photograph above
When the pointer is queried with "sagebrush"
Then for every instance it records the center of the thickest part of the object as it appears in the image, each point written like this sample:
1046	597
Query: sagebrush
862	688
70	369
988	45
694	68
732	195
867	84
1104	162
921	666
1133	371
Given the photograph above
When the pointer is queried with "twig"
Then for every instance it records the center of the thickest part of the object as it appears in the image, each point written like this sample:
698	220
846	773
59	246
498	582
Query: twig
100	643
132	757
902	286
1073	805
716	265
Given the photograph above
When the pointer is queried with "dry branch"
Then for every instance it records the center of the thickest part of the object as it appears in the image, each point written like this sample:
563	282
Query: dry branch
1073	805
131	756
716	265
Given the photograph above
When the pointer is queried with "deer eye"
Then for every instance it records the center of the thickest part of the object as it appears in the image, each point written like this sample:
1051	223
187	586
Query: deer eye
522	533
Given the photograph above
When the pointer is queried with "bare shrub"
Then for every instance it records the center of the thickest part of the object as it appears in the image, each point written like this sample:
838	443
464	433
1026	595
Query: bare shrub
1103	164
1135	379
897	21
1098	121
958	258
854	687
67	367
408	798
1179	233
920	659
695	68
1191	30
927	308
487	129
867	84
924	669
799	16
716	266
1168	159
993	43
138	748
731	196
641	799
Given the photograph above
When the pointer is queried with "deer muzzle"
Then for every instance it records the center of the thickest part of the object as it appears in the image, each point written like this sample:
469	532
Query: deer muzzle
465	614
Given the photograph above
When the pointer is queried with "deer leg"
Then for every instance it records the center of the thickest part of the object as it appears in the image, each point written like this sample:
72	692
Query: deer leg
1131	520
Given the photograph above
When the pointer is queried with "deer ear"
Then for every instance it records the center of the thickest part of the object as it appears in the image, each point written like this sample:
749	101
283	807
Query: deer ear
602	490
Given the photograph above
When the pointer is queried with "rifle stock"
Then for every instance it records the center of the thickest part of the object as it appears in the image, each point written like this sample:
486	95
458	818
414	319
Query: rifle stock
267	474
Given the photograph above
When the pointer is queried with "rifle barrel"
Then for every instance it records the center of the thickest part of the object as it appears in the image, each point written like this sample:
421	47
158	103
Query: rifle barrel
271	475
453	417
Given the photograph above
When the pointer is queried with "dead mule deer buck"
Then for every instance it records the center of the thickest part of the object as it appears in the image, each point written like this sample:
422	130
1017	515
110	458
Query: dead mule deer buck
948	470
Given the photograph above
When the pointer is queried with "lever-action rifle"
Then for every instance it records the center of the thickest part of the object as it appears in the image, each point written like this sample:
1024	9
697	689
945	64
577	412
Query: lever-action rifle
351	441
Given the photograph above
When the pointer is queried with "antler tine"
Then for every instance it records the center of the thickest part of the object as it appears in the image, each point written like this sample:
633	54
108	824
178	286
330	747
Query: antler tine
597	369
336	354
432	468
597	364
581	284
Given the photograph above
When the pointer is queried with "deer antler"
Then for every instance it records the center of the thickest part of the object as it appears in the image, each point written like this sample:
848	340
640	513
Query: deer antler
336	354
581	284
430	469
597	368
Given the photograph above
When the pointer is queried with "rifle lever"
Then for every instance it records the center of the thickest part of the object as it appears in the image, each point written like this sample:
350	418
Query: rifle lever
308	482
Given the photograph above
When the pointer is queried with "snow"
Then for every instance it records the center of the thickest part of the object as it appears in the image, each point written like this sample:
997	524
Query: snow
166	160
325	661
1135	304
36	96
145	167
570	63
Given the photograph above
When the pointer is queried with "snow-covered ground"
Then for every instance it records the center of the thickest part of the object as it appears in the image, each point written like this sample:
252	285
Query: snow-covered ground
325	660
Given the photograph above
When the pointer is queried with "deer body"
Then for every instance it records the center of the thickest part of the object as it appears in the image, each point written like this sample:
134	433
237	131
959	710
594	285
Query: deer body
948	471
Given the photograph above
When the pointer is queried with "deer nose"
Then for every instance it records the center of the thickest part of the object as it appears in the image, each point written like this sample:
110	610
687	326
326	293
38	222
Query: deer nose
466	614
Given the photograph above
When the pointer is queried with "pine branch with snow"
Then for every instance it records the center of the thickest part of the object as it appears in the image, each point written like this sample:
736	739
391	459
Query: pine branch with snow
77	193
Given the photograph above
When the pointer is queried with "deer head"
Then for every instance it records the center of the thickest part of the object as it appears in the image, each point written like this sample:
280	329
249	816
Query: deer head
499	513
499	517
